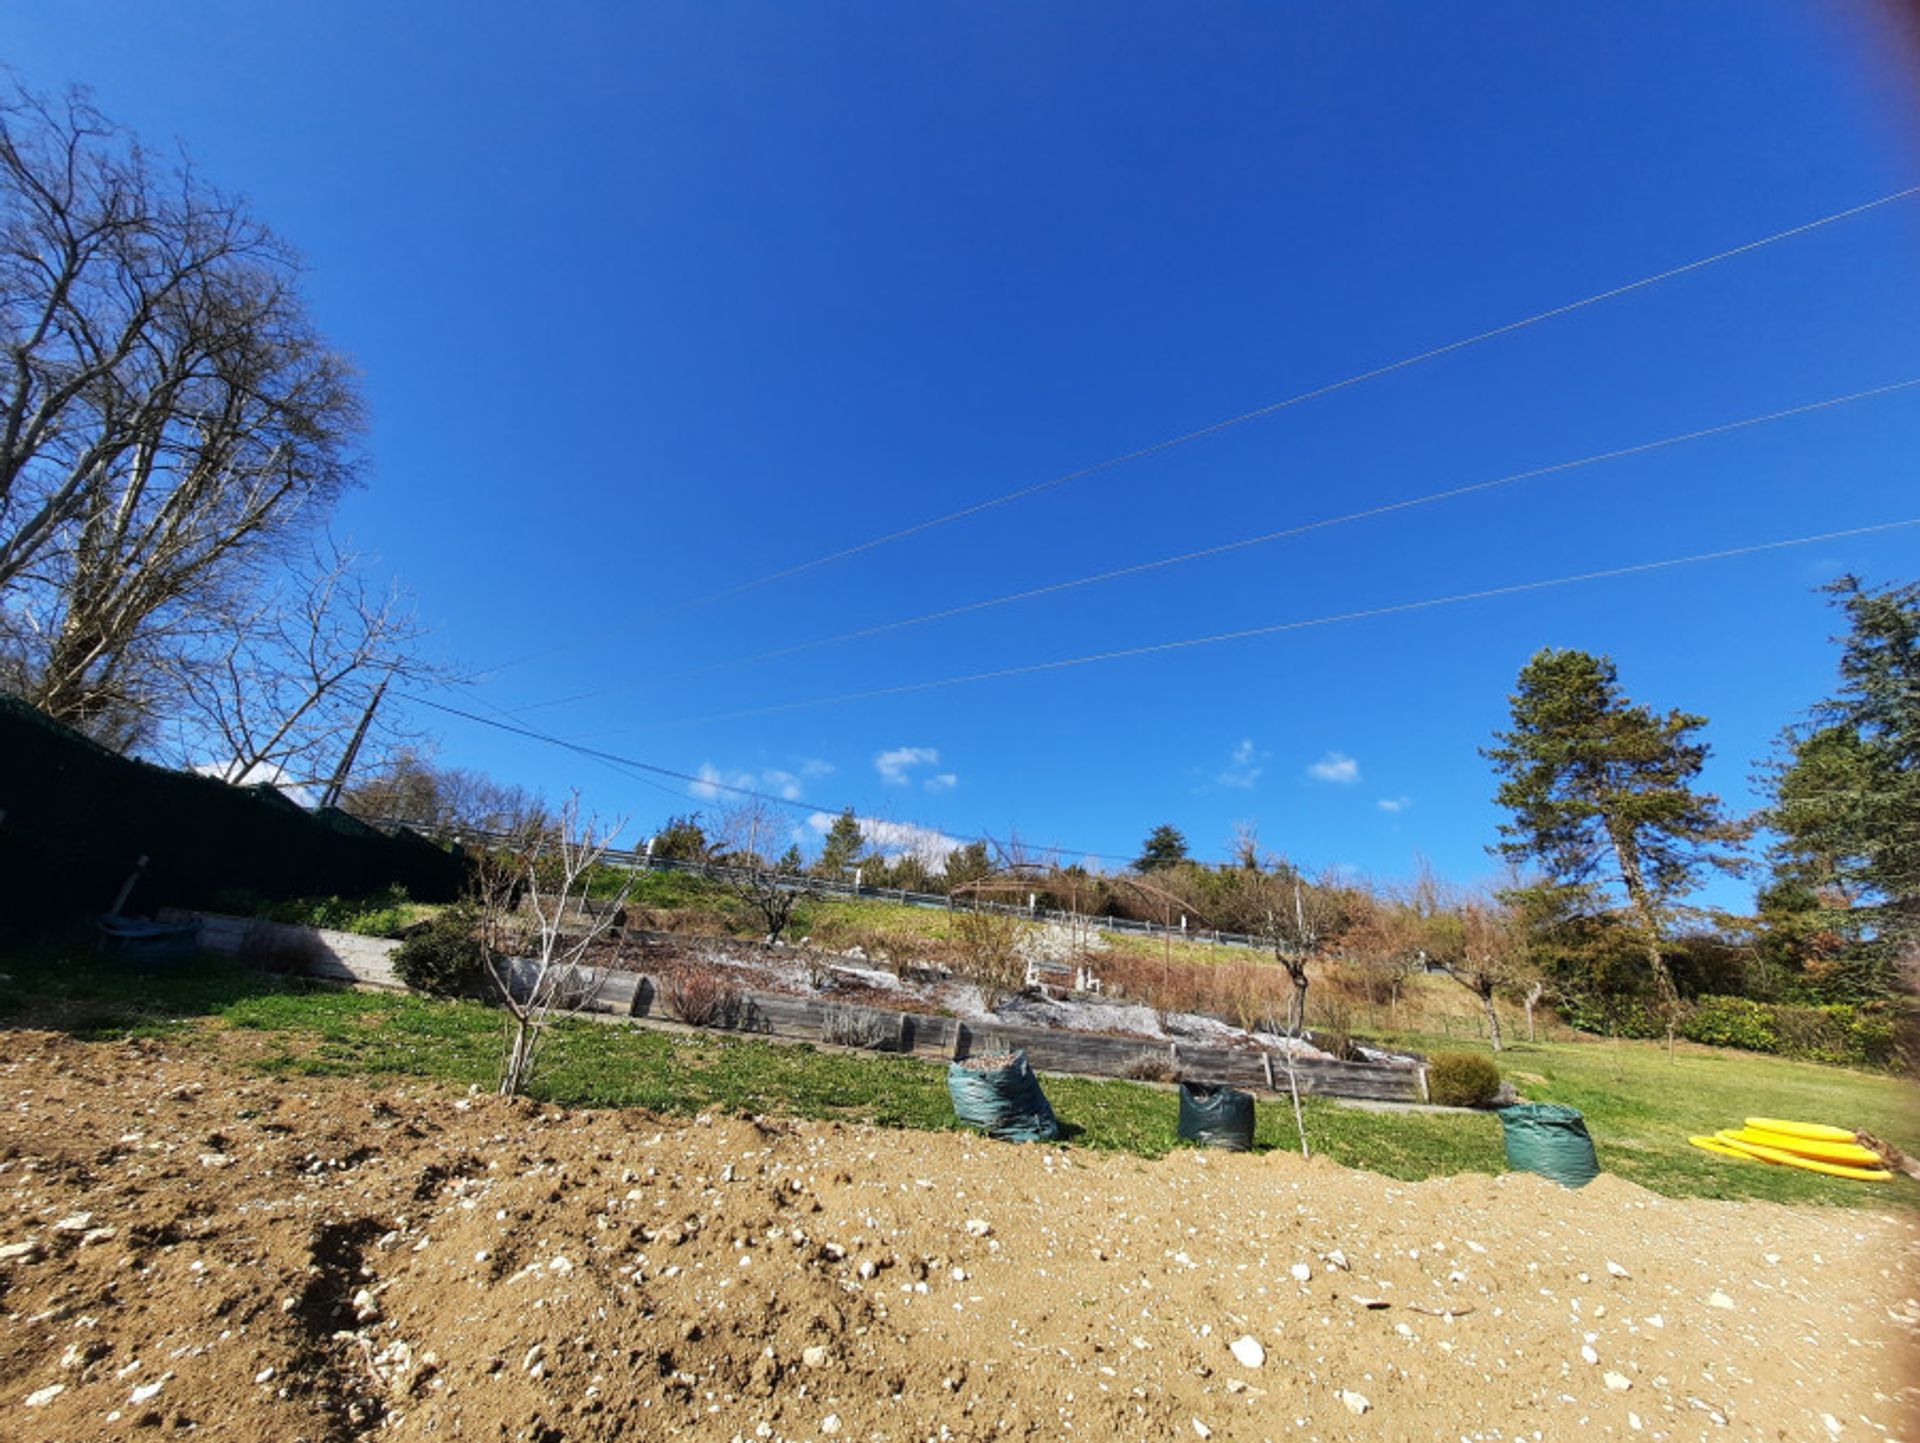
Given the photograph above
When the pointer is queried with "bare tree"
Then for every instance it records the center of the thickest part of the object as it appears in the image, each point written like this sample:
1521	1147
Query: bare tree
1293	916
297	688
168	416
1483	947
537	936
406	786
772	890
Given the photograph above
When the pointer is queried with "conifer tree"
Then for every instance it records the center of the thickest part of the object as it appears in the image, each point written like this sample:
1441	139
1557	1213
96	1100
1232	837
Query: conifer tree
1603	798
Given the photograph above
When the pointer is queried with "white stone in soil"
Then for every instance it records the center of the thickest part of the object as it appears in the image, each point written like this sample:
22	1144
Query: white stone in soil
1355	1403
1247	1351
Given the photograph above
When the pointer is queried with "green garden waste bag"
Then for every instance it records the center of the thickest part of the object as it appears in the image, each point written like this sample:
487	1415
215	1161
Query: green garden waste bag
1002	1099
1216	1116
1551	1139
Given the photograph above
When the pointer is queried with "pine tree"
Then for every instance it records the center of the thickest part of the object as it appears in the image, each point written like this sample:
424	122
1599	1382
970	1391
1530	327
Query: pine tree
1602	796
1165	847
842	846
1847	796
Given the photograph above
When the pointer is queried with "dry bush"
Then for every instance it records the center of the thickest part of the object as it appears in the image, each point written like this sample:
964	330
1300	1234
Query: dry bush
851	1027
1332	1026
702	996
1150	1067
990	954
1252	994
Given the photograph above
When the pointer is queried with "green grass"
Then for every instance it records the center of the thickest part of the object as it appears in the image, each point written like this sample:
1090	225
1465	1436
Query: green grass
1639	1106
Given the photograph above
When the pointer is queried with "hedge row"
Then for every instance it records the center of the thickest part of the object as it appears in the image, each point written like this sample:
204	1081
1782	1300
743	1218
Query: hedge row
1837	1032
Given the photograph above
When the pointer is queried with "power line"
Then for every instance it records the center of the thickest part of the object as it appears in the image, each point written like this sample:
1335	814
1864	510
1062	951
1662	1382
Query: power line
1214	428
1242	543
633	766
1275	628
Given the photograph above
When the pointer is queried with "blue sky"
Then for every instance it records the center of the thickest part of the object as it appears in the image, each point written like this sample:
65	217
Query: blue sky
654	300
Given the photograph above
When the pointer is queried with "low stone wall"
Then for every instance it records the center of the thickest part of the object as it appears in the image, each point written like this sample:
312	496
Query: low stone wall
312	951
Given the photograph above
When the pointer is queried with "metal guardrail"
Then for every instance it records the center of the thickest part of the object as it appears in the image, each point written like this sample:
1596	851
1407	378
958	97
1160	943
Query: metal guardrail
641	861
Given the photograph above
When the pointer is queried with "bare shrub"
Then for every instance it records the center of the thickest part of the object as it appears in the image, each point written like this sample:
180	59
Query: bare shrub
855	1027
1149	1066
990	954
1332	1029
702	996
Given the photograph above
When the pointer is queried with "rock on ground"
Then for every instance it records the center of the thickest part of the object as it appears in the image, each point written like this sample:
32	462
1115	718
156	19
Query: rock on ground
406	1262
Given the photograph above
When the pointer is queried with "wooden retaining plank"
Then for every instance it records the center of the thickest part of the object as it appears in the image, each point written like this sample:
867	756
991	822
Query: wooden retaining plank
345	957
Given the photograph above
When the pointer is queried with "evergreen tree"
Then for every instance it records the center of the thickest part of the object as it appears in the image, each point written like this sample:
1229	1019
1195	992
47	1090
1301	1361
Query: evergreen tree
968	864
1847	801
1602	796
1165	847
682	839
842	846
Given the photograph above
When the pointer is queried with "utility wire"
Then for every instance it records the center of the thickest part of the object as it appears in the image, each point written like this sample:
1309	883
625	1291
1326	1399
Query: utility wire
1214	428
633	766
1275	628
1242	543
637	769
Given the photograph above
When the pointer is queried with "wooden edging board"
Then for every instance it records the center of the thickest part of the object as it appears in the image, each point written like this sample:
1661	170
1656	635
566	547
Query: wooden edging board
636	997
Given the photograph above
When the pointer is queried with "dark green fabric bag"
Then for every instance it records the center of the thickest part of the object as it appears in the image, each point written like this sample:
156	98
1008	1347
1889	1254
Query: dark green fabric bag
1004	1102
1216	1116
1551	1139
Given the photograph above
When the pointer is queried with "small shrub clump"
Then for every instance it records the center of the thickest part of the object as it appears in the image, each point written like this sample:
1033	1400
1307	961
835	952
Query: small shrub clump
385	913
1146	1066
445	958
1462	1079
702	997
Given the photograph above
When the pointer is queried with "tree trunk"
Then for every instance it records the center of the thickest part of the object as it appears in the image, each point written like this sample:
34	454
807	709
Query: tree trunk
1642	900
1493	1017
1533	997
519	1061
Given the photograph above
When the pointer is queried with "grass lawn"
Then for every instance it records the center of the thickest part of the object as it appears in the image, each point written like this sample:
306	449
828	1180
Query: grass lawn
1639	1106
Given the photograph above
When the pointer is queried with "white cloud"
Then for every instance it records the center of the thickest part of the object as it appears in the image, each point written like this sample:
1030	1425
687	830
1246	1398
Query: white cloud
264	774
894	766
1335	767
1394	804
1245	764
717	784
815	767
896	839
942	782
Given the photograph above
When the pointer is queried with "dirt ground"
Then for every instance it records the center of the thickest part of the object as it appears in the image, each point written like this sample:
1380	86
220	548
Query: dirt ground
184	1248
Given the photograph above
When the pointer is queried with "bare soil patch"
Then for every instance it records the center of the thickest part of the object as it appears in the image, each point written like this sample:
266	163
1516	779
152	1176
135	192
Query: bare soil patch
184	1245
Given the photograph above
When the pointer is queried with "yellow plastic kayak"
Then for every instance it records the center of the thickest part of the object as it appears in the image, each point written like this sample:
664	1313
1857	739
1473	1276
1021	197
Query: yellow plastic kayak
1713	1144
1850	1153
1789	1159
1818	1131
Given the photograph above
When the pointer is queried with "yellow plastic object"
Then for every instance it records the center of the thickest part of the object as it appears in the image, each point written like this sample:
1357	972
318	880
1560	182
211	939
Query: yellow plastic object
1713	1144
1808	1164
1850	1153
1818	1131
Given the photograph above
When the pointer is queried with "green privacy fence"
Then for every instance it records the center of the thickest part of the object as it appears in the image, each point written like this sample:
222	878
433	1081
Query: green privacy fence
75	819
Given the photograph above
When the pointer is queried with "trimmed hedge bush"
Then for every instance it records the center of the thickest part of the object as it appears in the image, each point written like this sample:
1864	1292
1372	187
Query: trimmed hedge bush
1833	1032
445	958
1462	1079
